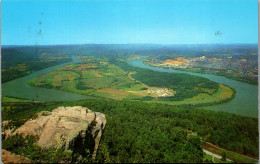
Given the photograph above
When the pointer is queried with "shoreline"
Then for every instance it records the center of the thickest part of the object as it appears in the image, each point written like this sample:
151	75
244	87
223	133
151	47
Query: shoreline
202	72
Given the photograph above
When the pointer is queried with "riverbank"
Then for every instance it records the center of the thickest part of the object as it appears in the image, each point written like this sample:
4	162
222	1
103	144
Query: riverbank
20	88
206	72
224	94
244	103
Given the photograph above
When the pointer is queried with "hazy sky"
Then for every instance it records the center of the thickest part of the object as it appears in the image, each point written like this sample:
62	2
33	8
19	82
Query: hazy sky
25	22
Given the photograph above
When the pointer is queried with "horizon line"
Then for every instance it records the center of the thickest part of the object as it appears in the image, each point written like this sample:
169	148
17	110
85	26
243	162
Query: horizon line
124	44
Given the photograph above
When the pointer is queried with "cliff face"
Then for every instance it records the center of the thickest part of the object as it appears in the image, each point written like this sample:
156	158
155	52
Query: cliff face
76	128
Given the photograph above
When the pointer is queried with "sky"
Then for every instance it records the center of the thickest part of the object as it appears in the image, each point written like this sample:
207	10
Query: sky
51	22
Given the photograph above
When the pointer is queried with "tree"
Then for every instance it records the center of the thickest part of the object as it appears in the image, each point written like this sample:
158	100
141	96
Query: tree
224	156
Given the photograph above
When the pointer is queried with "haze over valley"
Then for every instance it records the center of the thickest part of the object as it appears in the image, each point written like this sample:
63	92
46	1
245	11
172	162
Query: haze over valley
172	81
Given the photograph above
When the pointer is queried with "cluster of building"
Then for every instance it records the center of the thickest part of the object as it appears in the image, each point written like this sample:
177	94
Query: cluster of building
238	66
160	92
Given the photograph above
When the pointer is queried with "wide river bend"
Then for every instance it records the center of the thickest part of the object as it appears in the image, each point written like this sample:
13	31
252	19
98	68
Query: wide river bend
245	102
20	88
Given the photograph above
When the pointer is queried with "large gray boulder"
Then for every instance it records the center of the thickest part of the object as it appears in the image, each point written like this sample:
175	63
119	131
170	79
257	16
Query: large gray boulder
76	128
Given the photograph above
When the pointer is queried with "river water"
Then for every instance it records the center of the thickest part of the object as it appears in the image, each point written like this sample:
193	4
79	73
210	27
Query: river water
245	102
20	88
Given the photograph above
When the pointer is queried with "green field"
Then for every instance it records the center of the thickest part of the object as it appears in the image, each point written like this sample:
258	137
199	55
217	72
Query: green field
151	116
223	93
105	78
93	77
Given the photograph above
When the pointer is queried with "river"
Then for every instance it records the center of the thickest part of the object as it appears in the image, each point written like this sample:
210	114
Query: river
245	102
19	88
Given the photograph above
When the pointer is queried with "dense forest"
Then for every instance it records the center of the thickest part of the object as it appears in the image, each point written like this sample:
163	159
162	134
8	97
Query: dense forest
19	62
185	85
94	76
136	131
143	132
220	72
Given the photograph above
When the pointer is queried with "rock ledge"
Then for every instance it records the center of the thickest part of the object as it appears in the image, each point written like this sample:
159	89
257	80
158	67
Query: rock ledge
76	128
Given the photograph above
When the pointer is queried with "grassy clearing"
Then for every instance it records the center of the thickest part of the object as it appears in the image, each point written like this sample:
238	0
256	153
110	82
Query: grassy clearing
112	91
90	74
92	77
68	84
223	93
134	88
79	91
55	78
115	96
97	77
226	92
56	81
98	83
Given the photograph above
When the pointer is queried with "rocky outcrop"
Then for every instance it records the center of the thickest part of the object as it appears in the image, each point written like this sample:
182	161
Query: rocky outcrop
76	128
8	157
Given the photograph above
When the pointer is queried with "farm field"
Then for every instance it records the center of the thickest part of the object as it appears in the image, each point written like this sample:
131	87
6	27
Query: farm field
93	76
99	77
129	81
223	93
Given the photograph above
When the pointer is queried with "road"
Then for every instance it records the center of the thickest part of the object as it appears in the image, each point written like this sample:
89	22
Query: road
230	151
214	155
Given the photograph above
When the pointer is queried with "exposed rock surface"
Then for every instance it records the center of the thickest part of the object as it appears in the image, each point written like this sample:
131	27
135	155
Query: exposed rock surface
76	128
8	157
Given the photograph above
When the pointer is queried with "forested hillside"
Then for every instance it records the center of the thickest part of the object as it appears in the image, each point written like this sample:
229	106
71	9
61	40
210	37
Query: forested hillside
141	132
186	86
19	62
